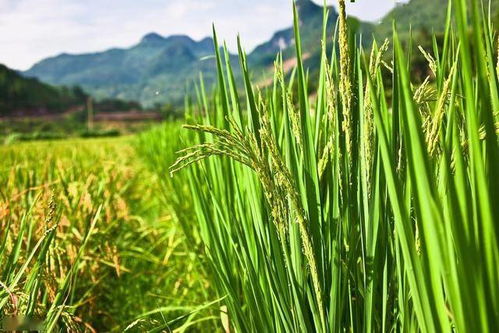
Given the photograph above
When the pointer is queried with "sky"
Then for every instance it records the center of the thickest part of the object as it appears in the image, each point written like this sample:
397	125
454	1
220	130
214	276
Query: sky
31	30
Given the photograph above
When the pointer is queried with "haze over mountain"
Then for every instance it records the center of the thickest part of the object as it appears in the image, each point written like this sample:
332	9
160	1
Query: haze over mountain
158	68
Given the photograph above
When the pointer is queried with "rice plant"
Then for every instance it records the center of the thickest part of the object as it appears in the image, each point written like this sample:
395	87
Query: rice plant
86	246
365	208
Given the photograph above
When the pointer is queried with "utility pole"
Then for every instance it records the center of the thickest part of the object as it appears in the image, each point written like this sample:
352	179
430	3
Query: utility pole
90	114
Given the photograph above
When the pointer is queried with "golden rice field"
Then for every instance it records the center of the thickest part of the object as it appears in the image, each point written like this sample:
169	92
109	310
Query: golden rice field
87	242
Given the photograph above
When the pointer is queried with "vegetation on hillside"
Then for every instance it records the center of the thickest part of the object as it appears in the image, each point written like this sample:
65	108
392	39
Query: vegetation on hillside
30	96
156	70
423	15
20	96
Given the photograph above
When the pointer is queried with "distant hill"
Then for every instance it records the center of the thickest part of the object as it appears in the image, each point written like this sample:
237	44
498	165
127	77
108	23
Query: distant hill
157	69
28	96
152	71
427	15
311	22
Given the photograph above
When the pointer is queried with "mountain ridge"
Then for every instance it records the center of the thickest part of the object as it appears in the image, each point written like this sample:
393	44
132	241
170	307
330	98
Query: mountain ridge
129	73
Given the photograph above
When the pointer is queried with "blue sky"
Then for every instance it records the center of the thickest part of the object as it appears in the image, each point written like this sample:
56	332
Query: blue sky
31	30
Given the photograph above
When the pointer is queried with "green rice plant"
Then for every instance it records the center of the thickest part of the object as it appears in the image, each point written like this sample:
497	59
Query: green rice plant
353	211
157	148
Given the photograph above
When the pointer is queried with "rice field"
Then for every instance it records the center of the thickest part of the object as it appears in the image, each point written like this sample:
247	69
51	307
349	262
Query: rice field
370	207
86	245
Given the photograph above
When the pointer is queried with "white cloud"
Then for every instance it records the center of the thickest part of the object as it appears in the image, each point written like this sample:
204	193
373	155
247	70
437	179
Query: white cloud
31	30
180	9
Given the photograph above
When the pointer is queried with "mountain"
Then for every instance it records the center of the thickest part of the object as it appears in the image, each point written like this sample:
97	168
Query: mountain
418	14
28	96
311	22
148	72
157	69
311	17
423	15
